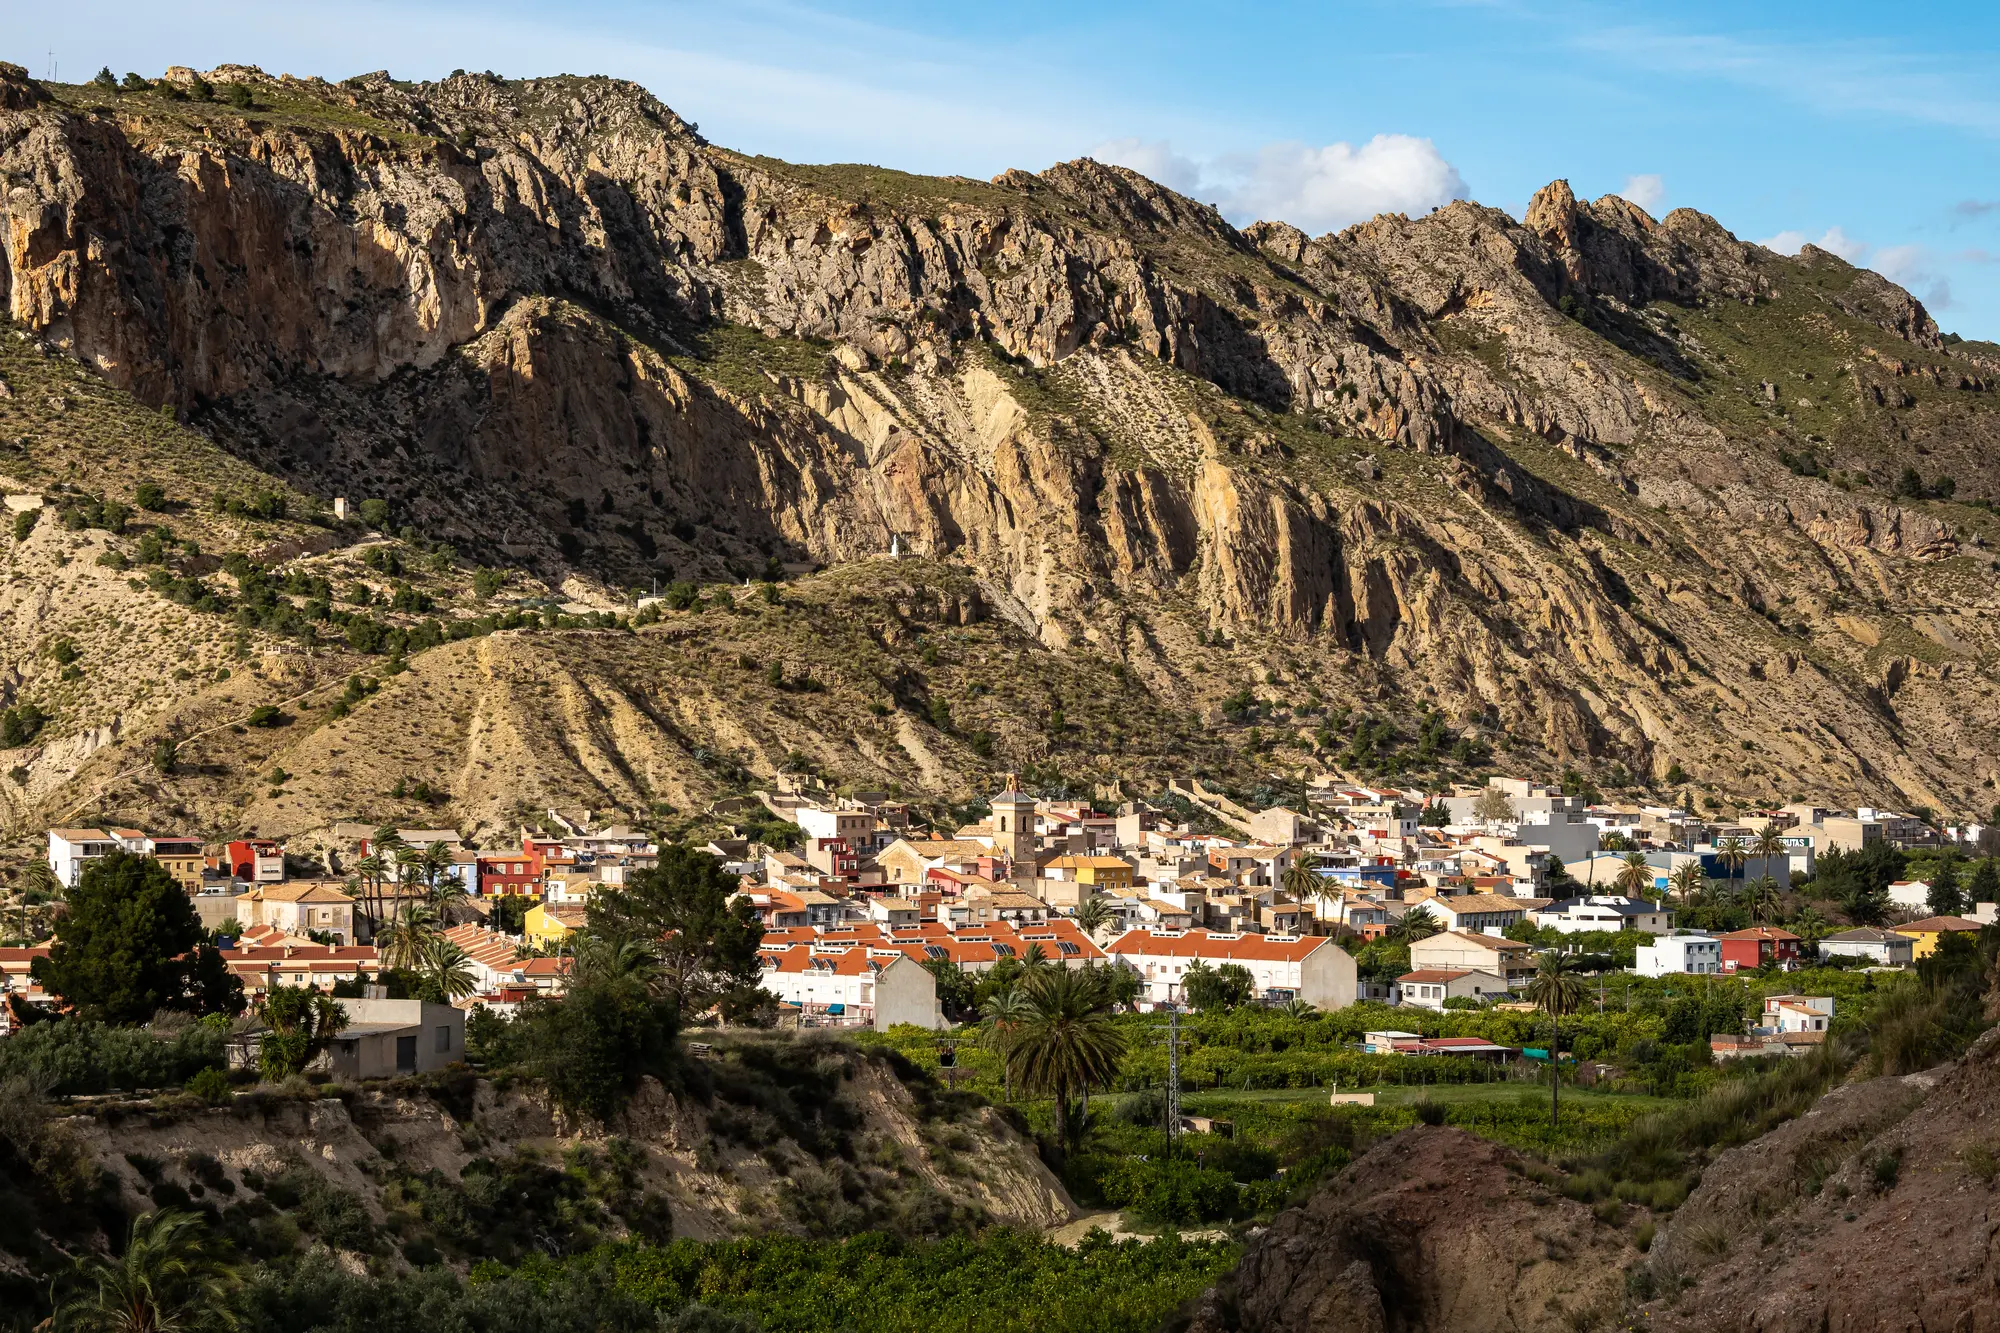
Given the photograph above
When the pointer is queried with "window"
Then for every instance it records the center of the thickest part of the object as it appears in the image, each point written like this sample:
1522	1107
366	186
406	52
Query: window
444	1039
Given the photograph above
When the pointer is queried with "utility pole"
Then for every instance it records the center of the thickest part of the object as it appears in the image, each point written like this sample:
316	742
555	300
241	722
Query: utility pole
1173	1027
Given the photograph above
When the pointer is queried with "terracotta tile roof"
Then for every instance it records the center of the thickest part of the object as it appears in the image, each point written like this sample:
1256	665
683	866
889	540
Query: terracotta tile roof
1493	943
300	891
1765	933
853	961
1434	975
1209	944
1935	925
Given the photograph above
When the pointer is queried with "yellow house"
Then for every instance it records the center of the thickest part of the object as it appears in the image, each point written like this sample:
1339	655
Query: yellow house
1931	929
545	925
1100	872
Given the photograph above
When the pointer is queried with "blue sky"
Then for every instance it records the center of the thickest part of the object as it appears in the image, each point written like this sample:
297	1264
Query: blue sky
1871	129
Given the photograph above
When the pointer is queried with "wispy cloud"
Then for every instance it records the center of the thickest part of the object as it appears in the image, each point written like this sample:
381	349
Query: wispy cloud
1833	77
1648	191
1317	189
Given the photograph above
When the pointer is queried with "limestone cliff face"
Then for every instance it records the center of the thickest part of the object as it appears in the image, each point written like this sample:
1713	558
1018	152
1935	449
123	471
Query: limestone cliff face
1484	458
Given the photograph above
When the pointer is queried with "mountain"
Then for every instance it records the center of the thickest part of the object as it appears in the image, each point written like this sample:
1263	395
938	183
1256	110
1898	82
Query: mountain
1587	489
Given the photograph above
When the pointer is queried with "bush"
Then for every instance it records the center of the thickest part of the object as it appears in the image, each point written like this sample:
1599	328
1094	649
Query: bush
1429	1110
264	715
211	1085
70	1056
1173	1192
150	496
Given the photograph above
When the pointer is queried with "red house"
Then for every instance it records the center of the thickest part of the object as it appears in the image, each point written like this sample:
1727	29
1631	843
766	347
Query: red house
1757	947
509	872
257	861
547	854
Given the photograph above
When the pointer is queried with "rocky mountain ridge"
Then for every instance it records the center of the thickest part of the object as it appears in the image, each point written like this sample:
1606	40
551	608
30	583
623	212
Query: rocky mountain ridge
1606	490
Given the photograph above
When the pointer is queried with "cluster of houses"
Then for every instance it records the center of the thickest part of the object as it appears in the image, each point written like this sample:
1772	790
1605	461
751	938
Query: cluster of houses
866	900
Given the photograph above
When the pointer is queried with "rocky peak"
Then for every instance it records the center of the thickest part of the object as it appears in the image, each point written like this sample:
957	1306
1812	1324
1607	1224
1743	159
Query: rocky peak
18	92
1120	198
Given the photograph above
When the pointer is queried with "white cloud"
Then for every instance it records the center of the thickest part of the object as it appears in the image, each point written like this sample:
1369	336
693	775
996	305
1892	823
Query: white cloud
1646	190
1913	268
1156	160
1317	189
1834	241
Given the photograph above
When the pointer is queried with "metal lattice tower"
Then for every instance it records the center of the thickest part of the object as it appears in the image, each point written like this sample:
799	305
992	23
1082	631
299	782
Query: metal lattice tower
1173	1075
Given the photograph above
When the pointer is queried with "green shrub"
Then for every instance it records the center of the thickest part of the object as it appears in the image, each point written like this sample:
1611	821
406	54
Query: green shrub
211	1085
1172	1192
71	1056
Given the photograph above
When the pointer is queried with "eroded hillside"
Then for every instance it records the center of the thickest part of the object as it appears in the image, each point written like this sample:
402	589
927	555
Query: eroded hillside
1599	488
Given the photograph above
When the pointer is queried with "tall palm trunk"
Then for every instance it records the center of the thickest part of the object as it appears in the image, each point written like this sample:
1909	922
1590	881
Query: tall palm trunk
1555	1072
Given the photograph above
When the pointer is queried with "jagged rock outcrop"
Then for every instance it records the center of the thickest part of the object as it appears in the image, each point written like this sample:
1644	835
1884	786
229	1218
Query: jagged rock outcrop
1486	458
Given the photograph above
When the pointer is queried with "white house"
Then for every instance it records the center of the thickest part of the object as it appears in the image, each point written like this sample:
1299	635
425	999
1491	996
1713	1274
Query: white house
1459	951
1798	1013
850	826
384	1038
1884	948
881	985
1912	893
70	849
1487	913
1573	916
1312	968
1689	951
1429	988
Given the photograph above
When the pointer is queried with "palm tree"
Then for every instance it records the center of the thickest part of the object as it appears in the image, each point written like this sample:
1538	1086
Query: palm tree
1555	989
1002	1017
1732	853
1634	875
1419	923
1092	916
1067	1043
446	890
1810	927
1687	881
1769	846
407	939
1303	885
1297	1008
1761	897
369	870
303	1022
1035	957
170	1279
600	960
447	965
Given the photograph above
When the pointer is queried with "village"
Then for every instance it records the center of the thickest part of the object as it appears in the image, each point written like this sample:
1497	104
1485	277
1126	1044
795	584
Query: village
870	918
